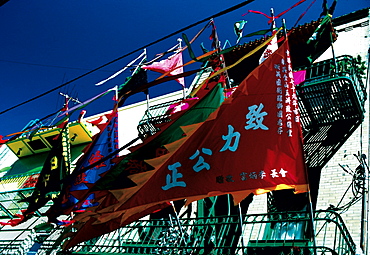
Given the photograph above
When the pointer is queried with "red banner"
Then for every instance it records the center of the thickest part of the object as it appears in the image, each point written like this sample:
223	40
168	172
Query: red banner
253	143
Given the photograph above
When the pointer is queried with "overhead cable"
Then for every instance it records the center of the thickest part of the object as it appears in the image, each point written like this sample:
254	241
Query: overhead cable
233	8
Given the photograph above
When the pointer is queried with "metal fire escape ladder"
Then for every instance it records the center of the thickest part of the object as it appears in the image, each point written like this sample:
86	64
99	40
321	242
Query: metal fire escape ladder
331	102
156	114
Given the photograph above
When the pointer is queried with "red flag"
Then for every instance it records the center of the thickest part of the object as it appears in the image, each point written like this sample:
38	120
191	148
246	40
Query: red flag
90	228
173	64
252	144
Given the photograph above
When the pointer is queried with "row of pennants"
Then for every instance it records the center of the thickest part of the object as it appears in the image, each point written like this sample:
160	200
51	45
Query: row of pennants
249	143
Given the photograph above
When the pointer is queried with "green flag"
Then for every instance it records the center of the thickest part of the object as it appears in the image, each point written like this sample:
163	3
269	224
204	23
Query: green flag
238	29
321	36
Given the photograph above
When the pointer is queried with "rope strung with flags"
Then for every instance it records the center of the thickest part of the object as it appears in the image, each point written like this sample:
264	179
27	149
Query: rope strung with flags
277	16
237	62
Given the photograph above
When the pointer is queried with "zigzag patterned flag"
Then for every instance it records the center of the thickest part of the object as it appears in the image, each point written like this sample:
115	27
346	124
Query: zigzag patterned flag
80	180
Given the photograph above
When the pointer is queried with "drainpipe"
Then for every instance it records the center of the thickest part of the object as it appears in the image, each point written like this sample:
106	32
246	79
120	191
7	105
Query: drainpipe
365	198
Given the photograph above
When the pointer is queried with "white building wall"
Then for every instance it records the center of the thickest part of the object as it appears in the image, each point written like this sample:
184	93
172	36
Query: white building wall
353	39
129	117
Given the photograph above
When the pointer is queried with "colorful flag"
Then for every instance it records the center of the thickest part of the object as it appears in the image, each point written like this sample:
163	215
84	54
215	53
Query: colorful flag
323	35
214	36
89	229
133	163
18	219
171	65
251	144
138	78
326	10
259	32
104	143
180	106
299	77
55	169
3	141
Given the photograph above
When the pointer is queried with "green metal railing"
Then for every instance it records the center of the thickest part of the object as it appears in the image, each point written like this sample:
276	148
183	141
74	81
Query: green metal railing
342	66
274	233
285	232
333	91
10	205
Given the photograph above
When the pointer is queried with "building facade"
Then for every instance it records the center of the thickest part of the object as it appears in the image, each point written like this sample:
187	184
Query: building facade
339	190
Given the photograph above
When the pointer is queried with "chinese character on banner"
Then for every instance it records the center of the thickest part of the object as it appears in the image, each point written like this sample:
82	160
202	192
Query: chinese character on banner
201	164
251	143
171	180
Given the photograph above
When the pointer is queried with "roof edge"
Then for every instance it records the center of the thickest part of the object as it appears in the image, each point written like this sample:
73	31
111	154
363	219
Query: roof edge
353	16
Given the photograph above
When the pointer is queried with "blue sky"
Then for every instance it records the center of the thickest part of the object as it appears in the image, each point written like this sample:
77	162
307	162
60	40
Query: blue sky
47	43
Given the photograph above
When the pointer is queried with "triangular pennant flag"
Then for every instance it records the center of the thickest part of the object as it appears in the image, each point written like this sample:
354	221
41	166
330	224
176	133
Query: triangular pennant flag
171	65
321	35
220	156
103	145
271	47
238	29
138	79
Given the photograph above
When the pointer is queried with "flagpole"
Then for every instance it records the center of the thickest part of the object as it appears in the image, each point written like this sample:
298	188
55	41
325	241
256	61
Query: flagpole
312	222
179	49
178	221
284	29
142	55
116	95
147	100
332	50
223	64
141	61
311	212
273	25
241	226
69	98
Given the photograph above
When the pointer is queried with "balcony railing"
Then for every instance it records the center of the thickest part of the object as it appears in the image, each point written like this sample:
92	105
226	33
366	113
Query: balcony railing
274	233
333	91
156	114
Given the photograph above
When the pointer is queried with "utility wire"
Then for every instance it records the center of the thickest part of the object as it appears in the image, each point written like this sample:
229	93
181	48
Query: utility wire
233	8
53	66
